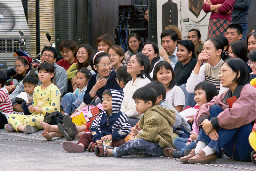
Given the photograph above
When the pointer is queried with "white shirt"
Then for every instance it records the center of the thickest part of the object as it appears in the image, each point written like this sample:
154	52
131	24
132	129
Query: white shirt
175	96
128	106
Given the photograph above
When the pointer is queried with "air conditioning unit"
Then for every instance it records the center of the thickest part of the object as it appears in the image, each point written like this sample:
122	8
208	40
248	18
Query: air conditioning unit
12	19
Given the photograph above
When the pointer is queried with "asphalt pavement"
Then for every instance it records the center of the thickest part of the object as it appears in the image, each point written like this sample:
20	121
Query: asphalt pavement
20	151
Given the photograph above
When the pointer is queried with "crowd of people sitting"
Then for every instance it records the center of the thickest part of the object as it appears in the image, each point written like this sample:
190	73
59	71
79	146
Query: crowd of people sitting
190	100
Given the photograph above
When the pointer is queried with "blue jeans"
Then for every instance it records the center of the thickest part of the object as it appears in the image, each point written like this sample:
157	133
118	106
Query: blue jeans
234	142
180	144
245	27
138	146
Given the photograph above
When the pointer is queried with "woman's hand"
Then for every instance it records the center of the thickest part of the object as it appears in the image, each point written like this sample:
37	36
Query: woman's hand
203	57
213	135
207	126
100	83
208	2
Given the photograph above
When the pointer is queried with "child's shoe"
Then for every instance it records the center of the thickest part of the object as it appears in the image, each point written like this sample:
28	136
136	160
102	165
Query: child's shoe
9	128
30	129
253	157
91	147
168	151
101	151
72	147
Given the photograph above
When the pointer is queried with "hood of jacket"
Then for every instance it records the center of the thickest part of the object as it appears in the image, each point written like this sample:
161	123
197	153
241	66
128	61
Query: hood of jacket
117	98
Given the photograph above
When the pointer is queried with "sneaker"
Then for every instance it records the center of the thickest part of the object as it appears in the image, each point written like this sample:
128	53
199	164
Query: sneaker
30	129
9	128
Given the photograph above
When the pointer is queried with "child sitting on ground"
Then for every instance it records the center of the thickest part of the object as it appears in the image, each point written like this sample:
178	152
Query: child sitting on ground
122	76
29	82
5	101
204	92
110	125
46	99
72	101
156	125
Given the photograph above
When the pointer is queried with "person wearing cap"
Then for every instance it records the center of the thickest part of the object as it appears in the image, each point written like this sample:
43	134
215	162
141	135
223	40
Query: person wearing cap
49	55
22	67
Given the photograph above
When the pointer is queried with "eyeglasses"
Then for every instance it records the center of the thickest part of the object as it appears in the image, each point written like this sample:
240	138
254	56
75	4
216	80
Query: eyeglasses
65	52
49	55
251	62
105	65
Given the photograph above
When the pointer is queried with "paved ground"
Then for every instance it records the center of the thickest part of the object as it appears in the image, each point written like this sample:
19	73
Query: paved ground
31	152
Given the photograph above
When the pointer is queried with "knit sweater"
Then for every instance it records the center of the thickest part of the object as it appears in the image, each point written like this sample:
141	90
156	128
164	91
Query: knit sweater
207	73
116	124
157	123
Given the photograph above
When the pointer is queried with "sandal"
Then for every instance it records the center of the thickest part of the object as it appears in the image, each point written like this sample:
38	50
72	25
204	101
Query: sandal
72	147
64	132
101	151
253	158
29	129
69	126
9	128
91	147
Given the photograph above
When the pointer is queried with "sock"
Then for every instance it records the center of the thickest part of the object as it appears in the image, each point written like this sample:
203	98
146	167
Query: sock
200	145
208	150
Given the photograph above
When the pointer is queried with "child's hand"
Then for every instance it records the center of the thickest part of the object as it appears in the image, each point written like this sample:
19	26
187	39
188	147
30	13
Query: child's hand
187	143
134	130
193	136
191	119
99	142
38	109
31	109
106	137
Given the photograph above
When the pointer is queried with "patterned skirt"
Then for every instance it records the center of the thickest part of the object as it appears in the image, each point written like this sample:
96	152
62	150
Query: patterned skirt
217	27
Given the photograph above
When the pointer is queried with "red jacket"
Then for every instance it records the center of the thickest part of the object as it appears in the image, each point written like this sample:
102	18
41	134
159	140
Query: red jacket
242	112
224	12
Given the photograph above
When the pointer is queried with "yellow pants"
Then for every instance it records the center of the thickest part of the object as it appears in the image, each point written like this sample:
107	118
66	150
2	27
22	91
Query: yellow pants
33	120
252	140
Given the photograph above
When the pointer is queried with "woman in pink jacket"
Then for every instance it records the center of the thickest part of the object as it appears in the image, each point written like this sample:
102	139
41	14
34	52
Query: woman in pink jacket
226	119
220	18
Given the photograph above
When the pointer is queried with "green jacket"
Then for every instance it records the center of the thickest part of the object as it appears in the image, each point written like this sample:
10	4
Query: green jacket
157	123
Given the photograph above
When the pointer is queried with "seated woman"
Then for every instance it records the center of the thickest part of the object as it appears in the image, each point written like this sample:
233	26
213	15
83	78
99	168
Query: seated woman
252	63
186	61
105	78
151	50
211	55
83	54
104	42
138	68
116	54
226	120
68	49
135	46
238	49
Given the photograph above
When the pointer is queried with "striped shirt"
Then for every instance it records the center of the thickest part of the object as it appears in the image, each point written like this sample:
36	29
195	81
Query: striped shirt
5	102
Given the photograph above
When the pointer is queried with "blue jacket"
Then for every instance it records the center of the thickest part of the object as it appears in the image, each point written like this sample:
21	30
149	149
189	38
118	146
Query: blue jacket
111	84
116	124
